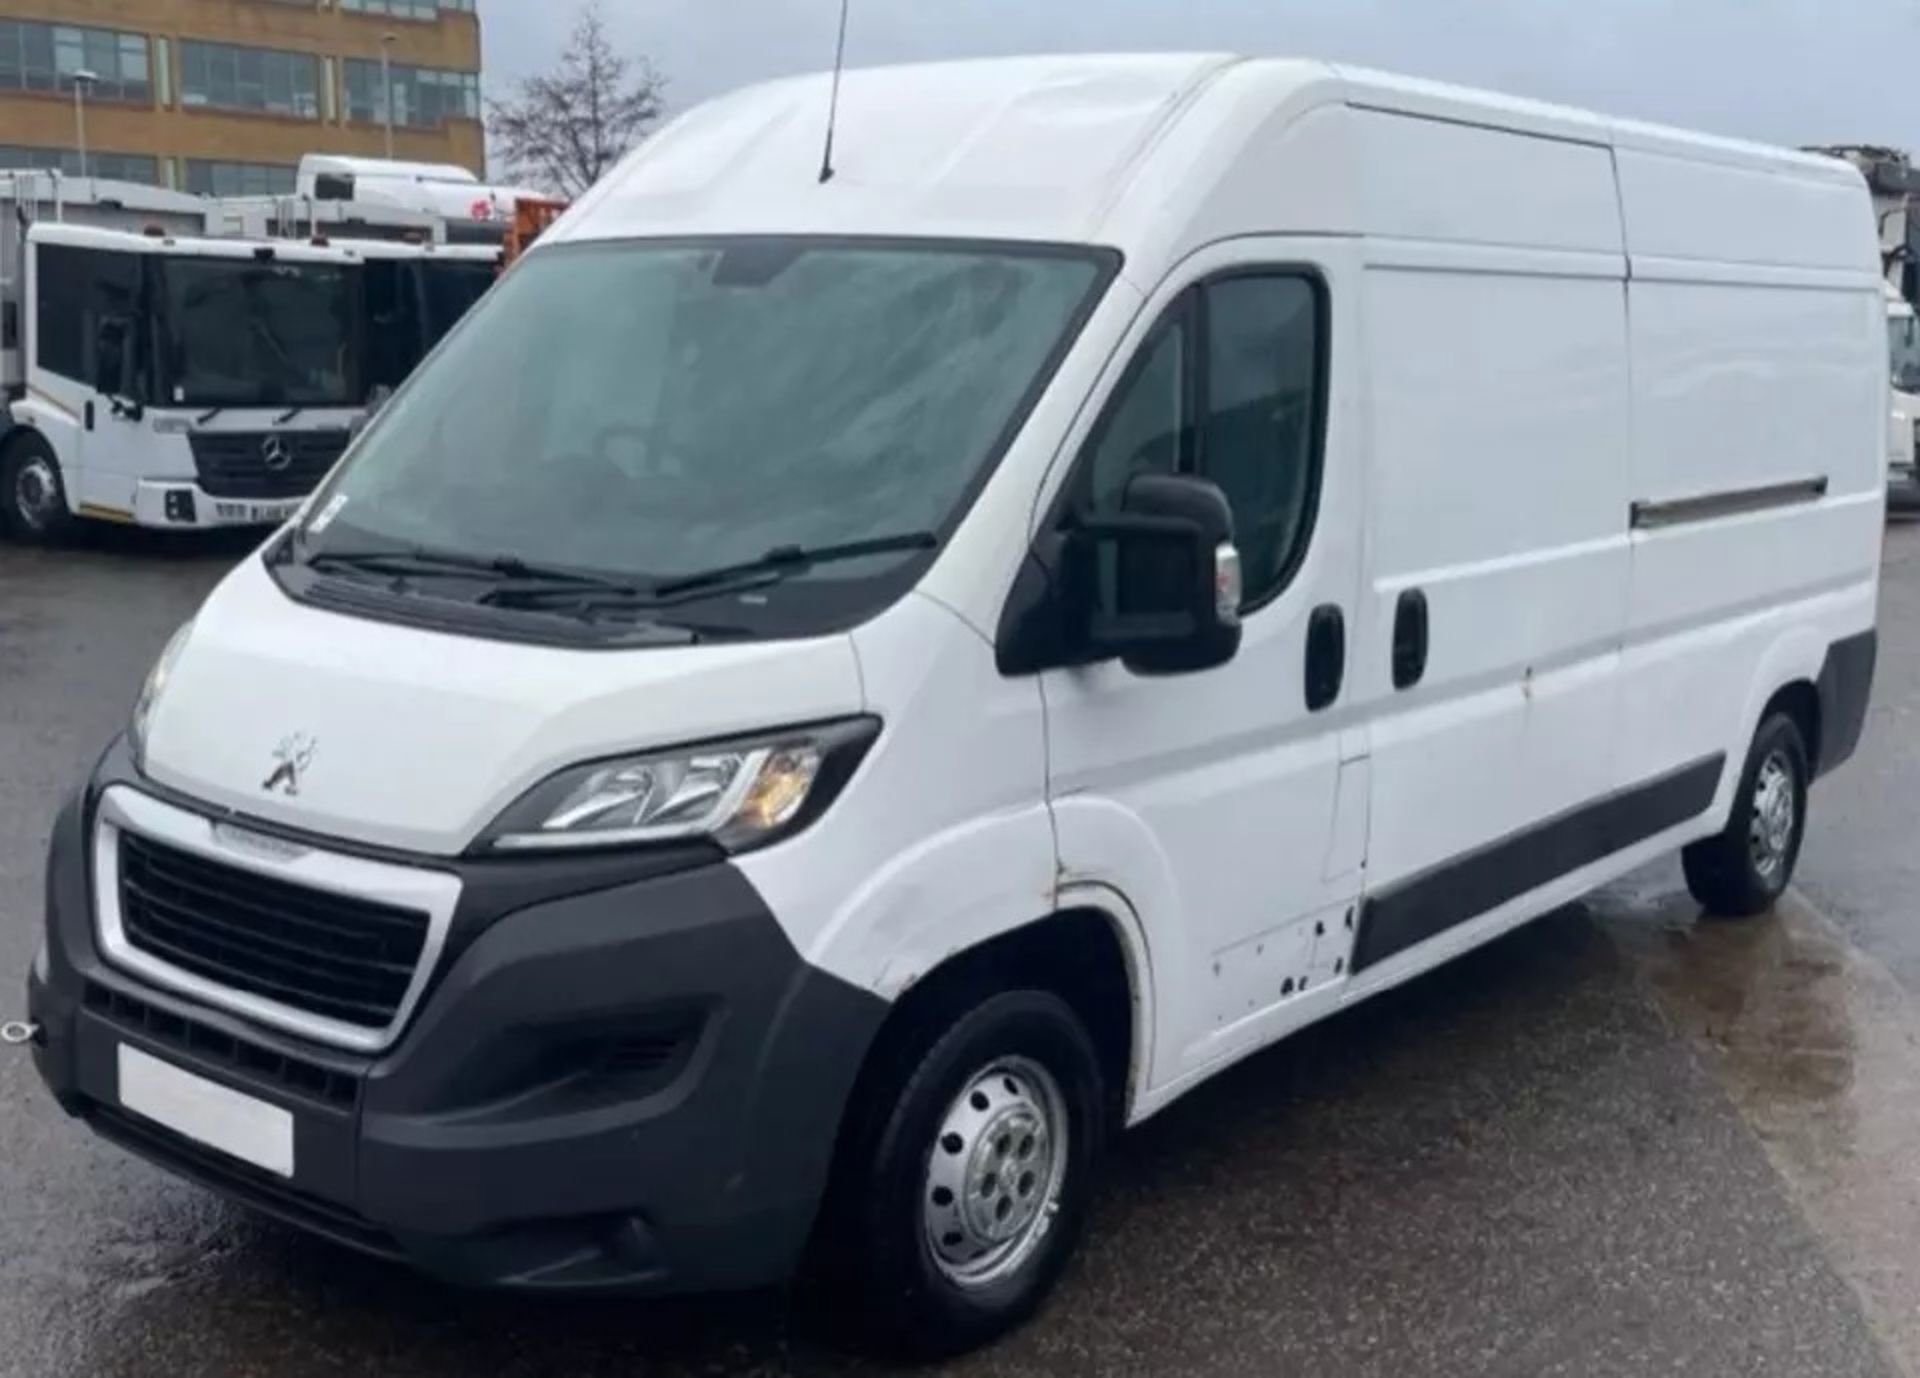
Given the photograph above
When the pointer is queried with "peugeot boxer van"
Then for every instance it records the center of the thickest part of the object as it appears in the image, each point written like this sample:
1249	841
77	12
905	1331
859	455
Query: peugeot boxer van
840	687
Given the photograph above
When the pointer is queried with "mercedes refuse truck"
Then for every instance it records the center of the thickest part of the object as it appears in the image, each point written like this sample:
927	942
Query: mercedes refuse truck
158	374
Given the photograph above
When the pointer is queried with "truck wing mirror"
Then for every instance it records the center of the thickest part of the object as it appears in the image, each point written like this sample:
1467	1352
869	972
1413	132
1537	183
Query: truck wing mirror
113	370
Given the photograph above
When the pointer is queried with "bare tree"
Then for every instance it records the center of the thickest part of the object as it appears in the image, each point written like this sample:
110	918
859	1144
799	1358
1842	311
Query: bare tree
568	128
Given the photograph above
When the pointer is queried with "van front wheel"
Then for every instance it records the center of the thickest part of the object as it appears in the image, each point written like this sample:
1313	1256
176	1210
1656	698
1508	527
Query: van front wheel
1743	870
969	1164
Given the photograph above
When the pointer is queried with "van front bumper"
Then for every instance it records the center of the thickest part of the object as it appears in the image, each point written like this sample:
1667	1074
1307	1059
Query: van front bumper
622	1078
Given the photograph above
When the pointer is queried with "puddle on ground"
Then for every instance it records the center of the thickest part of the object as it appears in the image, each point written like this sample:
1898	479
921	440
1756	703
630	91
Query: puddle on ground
1819	1047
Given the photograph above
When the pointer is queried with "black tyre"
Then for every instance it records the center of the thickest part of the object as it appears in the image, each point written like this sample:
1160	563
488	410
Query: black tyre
1741	872
965	1173
33	501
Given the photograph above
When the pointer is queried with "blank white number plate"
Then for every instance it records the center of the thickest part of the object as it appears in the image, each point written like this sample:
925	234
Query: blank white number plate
237	1125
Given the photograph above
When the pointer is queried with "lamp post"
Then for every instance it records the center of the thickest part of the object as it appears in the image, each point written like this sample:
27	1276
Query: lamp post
387	40
83	81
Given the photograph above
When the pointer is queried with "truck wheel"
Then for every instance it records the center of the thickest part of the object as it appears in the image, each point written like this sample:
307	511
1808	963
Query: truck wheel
1743	870
33	501
966	1171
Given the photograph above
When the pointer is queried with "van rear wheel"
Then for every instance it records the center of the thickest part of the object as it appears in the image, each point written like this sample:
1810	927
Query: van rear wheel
1743	870
966	1172
33	501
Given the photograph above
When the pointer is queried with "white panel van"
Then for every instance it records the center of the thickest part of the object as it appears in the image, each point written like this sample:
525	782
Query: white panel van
839	687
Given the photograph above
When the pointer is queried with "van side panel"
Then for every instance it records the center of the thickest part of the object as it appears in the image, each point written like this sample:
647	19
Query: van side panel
1757	468
1500	385
1692	199
1447	183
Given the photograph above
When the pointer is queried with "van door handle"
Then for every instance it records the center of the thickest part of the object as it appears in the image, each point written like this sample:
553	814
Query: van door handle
1326	656
1410	639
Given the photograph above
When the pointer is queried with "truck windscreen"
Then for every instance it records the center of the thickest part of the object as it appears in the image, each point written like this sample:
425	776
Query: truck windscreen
240	332
1904	340
452	286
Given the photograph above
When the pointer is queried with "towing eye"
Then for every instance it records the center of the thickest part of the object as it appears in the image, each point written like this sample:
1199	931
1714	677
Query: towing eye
20	1034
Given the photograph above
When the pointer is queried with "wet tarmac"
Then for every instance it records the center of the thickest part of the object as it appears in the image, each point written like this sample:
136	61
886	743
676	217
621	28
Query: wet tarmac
1621	1141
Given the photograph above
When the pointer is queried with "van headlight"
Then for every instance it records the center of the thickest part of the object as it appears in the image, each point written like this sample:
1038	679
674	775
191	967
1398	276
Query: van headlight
742	793
150	693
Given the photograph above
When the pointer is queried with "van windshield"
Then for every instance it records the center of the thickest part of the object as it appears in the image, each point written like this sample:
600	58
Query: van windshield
653	411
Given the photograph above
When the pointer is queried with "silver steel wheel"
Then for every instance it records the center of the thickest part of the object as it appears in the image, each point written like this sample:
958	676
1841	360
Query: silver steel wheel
995	1173
1776	813
36	493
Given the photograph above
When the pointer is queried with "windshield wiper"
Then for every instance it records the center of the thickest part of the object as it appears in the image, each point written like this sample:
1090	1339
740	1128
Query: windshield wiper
205	417
416	561
287	416
784	561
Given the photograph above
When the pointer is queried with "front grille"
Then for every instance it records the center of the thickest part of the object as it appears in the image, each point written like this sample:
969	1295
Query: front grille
249	1061
342	958
244	1183
272	464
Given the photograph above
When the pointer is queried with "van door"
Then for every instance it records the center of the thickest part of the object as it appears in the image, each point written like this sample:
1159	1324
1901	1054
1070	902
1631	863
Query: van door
1497	587
1229	806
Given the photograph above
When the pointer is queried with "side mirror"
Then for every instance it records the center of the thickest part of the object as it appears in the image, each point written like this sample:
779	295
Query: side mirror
1160	581
113	365
111	336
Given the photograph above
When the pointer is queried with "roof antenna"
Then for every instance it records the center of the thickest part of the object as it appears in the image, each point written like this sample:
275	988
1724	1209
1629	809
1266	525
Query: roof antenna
833	108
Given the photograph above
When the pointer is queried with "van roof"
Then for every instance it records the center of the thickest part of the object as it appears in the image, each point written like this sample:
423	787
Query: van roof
1088	149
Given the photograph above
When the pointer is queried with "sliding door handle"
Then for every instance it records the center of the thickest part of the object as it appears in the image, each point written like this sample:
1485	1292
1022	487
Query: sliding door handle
1410	640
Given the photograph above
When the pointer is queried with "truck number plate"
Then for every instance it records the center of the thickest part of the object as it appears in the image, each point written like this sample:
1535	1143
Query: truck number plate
255	513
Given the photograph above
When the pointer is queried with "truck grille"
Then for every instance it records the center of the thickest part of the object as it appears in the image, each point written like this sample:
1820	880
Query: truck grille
341	958
269	464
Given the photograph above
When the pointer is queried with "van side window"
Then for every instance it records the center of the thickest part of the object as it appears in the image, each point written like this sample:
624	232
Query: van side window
1242	354
1146	429
1261	430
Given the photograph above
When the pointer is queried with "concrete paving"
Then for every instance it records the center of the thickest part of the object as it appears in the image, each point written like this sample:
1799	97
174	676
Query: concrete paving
1619	1142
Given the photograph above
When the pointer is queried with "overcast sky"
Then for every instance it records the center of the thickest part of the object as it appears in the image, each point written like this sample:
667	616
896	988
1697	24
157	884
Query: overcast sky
1786	71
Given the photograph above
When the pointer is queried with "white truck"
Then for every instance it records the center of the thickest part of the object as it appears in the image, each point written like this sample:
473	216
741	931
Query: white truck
1903	432
412	295
160	376
474	212
1894	184
302	217
420	276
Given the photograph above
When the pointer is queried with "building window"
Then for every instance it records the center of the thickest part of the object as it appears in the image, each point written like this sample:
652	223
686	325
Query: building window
423	97
221	76
206	177
426	11
45	57
120	167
